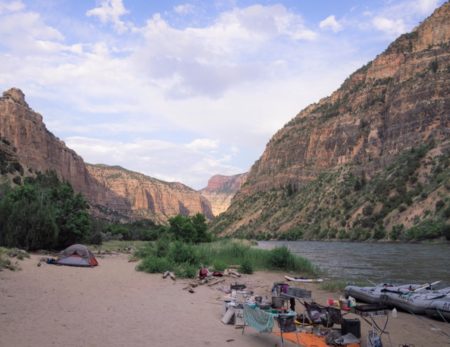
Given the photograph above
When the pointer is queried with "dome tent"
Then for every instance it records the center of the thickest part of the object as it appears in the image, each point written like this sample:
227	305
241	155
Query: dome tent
77	255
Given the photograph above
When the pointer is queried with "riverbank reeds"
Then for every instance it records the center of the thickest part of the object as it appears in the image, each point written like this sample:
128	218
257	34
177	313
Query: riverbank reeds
185	259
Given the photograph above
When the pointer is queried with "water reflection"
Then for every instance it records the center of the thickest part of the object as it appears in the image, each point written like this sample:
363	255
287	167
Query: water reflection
377	262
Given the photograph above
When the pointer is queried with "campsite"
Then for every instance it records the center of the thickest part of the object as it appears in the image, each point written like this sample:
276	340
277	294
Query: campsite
113	305
226	173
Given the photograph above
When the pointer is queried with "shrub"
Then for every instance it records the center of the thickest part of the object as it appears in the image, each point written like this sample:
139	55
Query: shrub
246	266
145	251
180	252
379	233
280	258
396	231
446	212
367	210
428	229
186	270
162	246
219	265
439	204
152	264
341	234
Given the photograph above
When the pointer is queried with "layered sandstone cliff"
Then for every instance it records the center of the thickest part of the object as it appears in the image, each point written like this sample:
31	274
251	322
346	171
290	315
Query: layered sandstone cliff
149	197
221	189
26	143
41	151
398	101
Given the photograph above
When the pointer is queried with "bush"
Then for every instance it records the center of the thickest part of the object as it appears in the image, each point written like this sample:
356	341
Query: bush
145	251
152	264
439	204
379	233
342	234
367	210
246	267
180	252
186	270
396	231
428	229
162	246
280	258
219	265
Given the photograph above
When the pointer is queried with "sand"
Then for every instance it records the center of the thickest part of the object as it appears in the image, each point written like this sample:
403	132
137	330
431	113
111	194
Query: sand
114	305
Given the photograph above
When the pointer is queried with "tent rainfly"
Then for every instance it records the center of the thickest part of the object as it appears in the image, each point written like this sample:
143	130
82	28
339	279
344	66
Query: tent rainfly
77	255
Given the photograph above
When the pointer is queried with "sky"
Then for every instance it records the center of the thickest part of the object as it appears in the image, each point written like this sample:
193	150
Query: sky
183	90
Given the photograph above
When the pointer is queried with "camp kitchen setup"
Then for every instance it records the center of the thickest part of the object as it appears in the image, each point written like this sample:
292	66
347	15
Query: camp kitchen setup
291	314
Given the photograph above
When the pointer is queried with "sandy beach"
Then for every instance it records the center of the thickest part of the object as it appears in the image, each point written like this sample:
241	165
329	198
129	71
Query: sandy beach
114	305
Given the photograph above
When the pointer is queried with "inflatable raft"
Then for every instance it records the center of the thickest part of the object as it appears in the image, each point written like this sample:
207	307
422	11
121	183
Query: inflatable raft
439	309
371	295
412	298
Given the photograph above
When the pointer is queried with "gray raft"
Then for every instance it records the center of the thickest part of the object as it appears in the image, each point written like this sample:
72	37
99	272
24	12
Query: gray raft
412	298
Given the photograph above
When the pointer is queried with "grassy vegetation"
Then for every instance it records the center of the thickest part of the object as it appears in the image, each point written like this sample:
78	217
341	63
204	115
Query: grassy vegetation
117	246
185	259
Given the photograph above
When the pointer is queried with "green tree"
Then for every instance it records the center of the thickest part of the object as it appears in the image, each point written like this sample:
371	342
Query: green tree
189	229
42	213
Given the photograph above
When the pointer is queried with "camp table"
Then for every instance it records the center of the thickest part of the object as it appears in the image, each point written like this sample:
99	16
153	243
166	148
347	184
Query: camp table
369	312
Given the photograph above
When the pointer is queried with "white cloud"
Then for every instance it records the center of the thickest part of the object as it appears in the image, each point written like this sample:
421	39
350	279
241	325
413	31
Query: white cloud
26	32
392	27
184	9
110	11
11	6
425	7
331	23
203	144
160	159
213	59
401	16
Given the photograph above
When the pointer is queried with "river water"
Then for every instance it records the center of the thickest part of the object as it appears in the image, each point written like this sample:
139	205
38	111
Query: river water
377	262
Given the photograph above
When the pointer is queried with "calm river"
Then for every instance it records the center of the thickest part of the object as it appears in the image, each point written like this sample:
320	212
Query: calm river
378	262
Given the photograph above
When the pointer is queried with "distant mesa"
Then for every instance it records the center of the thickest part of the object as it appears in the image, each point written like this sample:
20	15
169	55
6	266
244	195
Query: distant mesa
221	190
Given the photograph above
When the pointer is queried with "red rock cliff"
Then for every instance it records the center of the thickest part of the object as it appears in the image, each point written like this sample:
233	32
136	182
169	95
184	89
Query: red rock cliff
221	190
130	197
397	101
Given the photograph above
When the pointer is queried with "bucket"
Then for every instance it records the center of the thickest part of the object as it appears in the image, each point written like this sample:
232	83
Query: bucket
277	302
286	323
351	326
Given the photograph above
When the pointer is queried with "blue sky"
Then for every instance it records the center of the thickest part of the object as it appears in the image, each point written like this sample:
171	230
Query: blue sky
183	90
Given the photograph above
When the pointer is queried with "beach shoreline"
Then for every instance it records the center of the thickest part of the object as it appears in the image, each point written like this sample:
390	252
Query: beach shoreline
114	305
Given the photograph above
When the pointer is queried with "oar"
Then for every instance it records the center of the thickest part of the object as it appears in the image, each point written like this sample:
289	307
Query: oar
426	285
